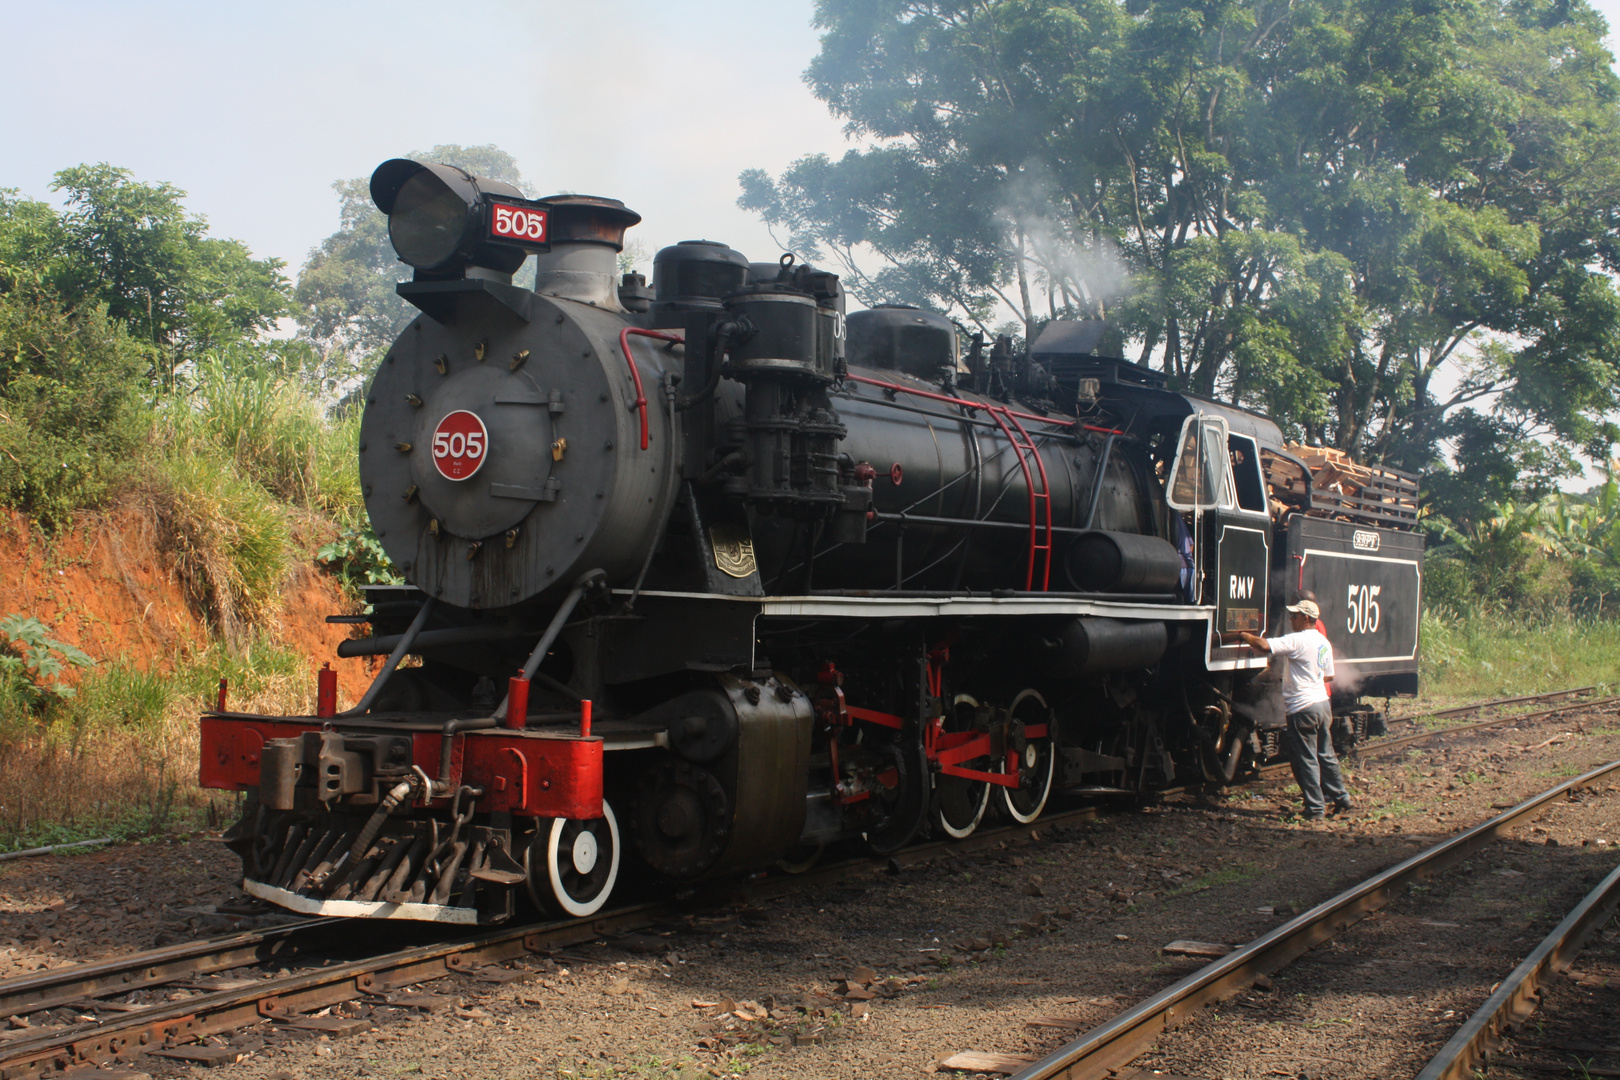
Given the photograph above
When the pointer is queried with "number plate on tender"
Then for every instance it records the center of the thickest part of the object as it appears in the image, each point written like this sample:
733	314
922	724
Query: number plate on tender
460	445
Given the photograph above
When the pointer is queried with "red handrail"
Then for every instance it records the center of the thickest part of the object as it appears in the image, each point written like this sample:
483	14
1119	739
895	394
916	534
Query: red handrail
1003	416
1044	496
635	374
970	404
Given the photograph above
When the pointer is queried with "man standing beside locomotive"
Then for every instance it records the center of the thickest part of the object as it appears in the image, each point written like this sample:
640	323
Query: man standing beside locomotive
1309	738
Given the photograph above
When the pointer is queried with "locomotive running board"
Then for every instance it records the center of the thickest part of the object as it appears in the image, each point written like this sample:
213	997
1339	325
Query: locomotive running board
308	905
878	606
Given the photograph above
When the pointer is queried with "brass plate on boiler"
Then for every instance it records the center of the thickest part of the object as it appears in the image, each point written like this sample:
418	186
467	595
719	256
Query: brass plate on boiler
733	550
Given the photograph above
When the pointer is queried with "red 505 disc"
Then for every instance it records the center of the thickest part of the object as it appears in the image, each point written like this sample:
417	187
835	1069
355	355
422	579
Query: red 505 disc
460	445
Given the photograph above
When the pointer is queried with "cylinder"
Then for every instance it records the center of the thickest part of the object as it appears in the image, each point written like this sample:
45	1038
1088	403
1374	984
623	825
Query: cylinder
1091	646
1115	562
585	719
696	274
325	692
517	703
586	236
279	763
785	333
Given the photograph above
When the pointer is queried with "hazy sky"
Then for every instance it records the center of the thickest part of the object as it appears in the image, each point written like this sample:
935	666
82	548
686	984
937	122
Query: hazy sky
255	108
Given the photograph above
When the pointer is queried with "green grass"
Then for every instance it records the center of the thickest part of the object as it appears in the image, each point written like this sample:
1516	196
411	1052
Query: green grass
1394	808
1226	875
238	470
122	696
276	434
228	540
233	470
120	757
1467	659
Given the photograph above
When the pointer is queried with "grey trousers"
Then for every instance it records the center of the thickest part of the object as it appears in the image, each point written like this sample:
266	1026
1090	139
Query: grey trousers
1309	745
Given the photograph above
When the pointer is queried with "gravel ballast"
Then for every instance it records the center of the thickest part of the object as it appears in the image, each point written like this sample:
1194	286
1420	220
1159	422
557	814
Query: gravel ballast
895	973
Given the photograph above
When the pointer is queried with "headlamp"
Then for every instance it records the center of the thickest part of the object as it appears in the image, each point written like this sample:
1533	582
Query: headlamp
442	219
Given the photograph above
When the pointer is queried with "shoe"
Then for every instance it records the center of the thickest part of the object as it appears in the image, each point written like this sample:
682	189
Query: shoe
1341	808
1311	817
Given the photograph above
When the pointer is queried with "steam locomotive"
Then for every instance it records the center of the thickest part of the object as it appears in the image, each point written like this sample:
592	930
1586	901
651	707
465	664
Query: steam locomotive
708	575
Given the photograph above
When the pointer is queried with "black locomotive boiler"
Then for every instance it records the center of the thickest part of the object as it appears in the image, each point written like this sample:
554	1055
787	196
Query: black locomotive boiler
708	575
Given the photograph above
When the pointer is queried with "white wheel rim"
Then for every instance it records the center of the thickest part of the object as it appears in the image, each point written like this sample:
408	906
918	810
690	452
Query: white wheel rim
1031	758
1046	792
967	830
984	792
559	894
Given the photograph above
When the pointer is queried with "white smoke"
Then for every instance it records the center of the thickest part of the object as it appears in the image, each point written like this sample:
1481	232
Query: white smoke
1073	270
1347	677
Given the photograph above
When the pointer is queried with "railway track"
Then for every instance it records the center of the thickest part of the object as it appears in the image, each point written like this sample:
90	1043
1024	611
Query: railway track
132	1030
1494	703
1517	997
1121	1040
1385	745
121	1030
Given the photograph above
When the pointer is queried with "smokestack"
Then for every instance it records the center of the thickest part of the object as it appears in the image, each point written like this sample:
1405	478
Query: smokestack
587	234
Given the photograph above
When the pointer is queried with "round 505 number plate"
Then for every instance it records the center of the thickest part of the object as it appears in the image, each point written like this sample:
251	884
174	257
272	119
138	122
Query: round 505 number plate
460	445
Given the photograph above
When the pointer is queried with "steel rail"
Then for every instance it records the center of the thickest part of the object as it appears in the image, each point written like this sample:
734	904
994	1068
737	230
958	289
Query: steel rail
48	989
1516	998
121	1038
1460	710
1127	1036
1383	746
44	989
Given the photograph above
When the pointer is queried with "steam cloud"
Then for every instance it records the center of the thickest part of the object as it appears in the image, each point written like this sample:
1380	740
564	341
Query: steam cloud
1082	272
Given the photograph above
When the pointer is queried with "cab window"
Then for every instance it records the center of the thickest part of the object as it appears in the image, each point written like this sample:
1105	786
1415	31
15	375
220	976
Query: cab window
1247	480
1201	479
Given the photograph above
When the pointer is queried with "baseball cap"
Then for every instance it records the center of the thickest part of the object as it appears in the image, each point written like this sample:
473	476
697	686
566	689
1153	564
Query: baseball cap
1306	608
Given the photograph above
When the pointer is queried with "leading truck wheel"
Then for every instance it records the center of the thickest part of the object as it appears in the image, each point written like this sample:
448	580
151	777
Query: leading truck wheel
579	863
1036	764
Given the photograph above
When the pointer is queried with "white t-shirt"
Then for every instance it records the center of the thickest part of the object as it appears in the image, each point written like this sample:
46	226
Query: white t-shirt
1310	661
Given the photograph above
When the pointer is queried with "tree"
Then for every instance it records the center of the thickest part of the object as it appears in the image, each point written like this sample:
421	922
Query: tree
71	402
1327	209
101	304
348	309
132	247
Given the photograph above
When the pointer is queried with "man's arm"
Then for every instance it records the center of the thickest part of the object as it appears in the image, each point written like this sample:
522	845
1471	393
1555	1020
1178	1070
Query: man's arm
1255	641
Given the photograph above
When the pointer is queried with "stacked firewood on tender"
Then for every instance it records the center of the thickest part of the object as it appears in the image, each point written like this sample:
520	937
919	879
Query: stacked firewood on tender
1331	485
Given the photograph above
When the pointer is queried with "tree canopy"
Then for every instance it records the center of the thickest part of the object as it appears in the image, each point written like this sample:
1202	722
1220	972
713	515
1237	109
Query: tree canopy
1389	223
131	249
106	306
